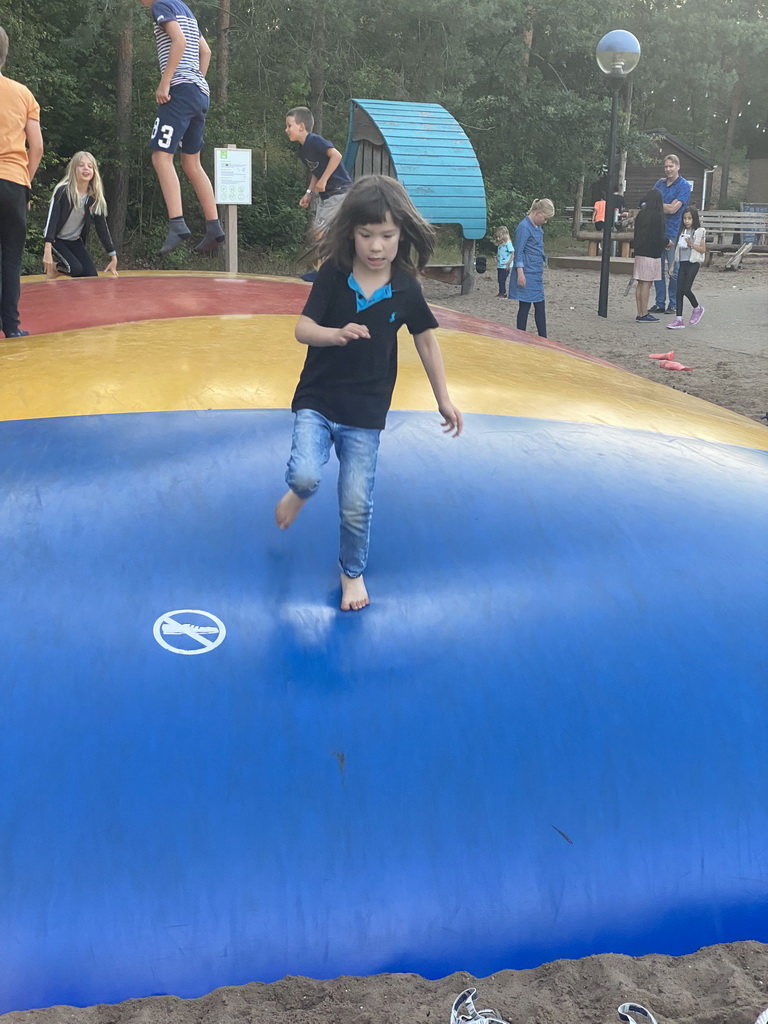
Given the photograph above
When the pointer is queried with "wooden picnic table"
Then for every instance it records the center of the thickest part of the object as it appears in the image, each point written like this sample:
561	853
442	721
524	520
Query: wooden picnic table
624	240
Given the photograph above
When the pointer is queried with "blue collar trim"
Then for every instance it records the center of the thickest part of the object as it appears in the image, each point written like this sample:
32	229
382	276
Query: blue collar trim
378	296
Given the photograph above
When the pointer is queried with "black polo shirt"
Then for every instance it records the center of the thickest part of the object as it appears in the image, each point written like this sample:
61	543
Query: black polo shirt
353	383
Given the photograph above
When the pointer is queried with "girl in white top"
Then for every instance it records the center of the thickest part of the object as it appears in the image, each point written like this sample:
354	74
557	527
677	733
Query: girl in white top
689	255
77	203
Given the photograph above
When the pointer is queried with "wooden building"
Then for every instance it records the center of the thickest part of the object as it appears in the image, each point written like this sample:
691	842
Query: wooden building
694	165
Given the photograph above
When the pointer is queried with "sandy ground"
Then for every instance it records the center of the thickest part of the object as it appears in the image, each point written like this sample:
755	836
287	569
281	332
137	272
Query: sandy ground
728	348
726	984
719	985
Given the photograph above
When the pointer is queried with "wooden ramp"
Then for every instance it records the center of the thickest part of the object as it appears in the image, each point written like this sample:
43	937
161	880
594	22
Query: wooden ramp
619	264
734	262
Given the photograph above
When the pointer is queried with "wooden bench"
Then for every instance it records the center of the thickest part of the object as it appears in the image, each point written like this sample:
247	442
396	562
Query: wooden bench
726	230
448	273
585	217
462	273
624	238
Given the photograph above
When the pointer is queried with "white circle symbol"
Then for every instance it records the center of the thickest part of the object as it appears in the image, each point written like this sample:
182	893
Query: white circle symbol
195	637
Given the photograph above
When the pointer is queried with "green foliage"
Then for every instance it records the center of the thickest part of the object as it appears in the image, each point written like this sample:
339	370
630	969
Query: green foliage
505	206
274	221
32	260
521	78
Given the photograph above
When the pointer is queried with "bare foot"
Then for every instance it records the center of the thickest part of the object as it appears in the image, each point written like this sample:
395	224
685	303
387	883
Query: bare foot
354	596
287	509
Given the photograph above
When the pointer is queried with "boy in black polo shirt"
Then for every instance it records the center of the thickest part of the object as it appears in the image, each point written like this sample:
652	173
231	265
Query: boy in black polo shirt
365	291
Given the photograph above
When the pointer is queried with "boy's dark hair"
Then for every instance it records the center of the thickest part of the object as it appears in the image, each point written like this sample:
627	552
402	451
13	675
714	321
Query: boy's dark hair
302	115
369	201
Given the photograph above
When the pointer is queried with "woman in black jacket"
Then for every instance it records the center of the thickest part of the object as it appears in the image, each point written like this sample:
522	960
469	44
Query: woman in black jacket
650	242
77	201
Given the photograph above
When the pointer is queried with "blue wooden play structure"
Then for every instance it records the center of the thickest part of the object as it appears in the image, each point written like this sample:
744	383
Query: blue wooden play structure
425	148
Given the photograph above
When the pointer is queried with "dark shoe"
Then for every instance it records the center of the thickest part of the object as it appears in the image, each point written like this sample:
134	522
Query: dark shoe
647	319
670	309
310	276
657	309
17	334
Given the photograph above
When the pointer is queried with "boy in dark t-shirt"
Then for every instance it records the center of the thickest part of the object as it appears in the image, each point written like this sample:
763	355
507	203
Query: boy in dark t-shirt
329	180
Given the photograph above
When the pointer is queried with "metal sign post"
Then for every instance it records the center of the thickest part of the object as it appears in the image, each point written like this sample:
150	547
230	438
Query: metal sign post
233	188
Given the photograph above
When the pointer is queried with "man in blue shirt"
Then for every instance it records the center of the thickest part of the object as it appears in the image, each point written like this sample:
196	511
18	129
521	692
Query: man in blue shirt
675	195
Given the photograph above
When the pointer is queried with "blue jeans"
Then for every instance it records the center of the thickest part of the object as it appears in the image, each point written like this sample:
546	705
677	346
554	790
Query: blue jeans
357	449
667	260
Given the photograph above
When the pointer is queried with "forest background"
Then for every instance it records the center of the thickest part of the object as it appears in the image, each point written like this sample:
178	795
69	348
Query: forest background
520	77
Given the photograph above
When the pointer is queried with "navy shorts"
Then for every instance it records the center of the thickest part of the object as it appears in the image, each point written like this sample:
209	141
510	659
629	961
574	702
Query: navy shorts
181	121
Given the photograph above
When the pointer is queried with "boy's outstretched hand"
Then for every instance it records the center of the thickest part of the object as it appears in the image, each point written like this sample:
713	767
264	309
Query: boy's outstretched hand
453	422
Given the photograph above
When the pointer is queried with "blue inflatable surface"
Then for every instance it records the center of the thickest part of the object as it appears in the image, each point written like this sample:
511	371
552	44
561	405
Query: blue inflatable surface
545	738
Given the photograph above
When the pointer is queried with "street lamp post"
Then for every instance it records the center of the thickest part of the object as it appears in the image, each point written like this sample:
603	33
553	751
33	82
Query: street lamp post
617	55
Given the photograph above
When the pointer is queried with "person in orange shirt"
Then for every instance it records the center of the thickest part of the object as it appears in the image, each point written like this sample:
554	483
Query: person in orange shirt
21	147
598	217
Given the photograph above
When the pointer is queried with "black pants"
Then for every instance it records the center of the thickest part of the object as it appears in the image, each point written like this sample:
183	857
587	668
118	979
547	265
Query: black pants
72	258
686	275
502	273
539	313
13	235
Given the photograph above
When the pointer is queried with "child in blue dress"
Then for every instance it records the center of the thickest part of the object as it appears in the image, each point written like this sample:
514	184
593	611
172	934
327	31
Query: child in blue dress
527	284
366	289
505	252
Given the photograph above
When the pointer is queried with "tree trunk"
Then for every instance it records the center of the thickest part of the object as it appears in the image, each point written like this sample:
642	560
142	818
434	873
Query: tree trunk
222	52
317	74
118	207
736	99
576	224
530	14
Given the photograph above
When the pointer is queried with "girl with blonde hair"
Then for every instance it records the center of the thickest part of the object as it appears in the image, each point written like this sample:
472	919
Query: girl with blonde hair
527	284
505	252
77	202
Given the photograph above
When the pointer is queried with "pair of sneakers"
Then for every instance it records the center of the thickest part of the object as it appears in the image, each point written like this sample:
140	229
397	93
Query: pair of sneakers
662	309
679	323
